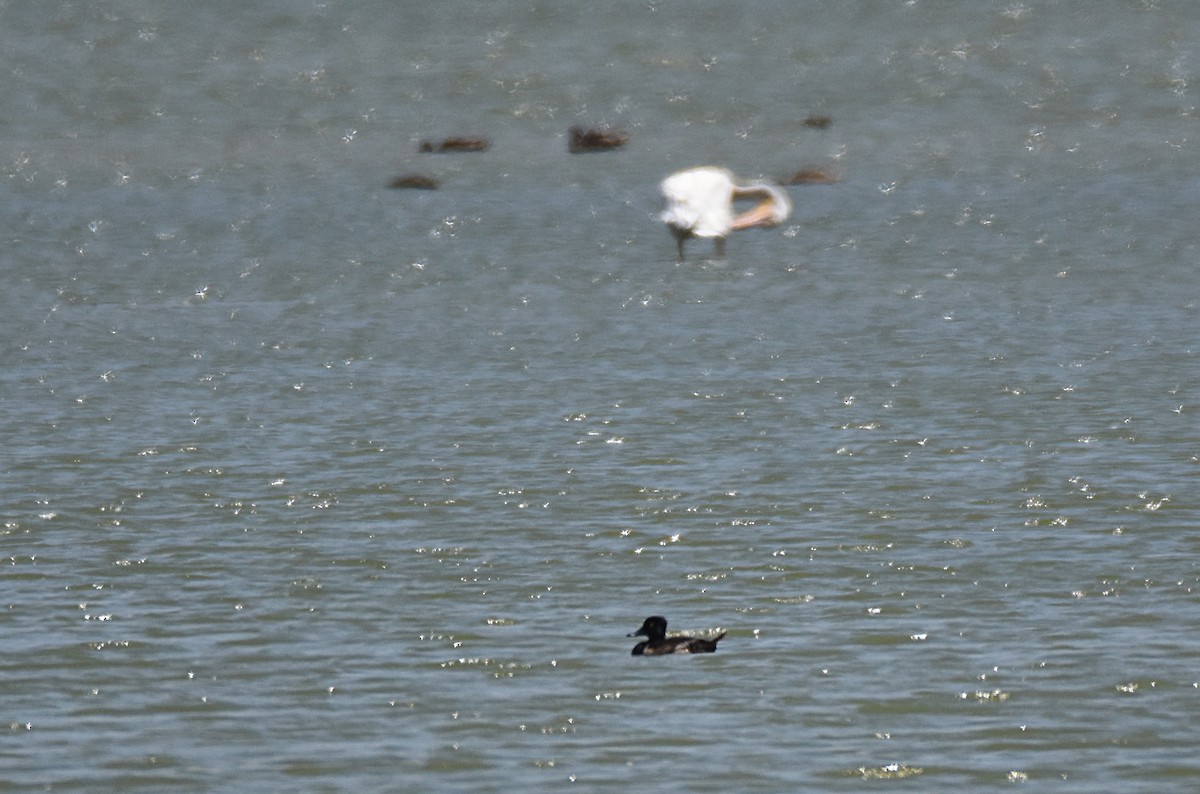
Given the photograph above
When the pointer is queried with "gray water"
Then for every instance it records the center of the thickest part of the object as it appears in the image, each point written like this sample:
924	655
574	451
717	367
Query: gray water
313	485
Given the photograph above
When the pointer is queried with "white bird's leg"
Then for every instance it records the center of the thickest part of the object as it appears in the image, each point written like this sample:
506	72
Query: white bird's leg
681	236
719	247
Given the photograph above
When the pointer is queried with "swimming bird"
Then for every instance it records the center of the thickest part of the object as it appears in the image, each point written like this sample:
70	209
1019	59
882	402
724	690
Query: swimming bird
596	139
457	143
654	629
414	181
700	204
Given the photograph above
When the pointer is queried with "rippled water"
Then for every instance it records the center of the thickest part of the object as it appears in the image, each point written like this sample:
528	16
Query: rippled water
309	484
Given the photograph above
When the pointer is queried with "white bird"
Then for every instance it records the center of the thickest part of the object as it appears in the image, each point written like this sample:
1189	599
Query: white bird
700	204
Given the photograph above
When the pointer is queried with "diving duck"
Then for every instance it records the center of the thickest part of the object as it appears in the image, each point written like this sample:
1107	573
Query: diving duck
654	629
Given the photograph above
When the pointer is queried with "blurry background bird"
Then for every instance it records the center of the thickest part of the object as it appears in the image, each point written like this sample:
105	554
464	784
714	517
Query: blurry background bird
700	204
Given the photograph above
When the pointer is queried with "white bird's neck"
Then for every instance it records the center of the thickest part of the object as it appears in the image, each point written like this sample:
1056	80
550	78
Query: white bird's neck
771	211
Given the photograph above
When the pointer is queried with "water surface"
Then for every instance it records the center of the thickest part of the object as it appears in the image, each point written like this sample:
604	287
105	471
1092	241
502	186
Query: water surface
312	484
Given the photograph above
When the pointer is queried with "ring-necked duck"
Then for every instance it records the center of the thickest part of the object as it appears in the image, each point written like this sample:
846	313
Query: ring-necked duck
654	629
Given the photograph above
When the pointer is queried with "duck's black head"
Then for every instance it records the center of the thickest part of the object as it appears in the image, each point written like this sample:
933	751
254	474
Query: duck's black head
654	628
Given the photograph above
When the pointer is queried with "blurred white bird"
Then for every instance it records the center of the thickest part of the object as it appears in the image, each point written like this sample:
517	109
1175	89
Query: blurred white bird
700	204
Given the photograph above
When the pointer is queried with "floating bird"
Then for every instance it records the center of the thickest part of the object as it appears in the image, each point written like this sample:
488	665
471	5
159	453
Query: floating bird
456	144
700	204
813	176
414	181
654	629
580	140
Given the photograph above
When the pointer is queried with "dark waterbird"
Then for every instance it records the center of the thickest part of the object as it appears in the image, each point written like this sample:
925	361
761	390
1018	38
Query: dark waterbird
457	143
654	629
414	182
601	139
